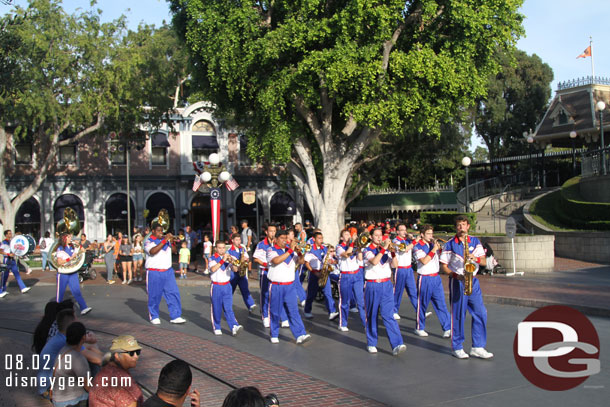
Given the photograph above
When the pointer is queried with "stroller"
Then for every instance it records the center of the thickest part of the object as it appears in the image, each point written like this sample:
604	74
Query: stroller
87	271
492	266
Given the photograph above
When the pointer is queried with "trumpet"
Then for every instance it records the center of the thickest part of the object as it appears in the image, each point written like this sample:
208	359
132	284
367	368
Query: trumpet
402	247
302	248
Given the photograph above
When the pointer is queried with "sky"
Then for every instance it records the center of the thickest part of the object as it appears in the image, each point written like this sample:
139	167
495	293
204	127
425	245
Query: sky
555	30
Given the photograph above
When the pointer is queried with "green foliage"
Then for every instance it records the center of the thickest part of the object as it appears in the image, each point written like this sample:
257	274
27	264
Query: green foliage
480	154
62	71
517	97
254	60
445	220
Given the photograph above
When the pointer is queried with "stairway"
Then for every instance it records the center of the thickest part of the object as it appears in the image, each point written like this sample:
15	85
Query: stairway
510	203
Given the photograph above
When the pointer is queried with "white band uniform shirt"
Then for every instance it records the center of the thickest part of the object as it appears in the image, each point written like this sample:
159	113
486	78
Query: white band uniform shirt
380	270
160	261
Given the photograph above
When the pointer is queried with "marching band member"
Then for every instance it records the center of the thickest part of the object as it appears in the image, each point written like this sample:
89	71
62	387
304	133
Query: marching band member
403	279
221	293
260	257
282	261
452	263
11	265
378	293
349	268
65	251
160	280
314	261
430	283
237	250
298	285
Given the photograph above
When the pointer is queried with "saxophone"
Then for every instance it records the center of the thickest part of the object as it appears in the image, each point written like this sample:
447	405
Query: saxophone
326	269
243	264
469	269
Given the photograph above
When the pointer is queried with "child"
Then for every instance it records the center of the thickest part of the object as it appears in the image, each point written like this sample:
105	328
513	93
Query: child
184	259
207	253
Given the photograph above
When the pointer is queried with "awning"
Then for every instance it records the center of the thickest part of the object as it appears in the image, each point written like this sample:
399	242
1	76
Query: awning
159	140
410	201
205	142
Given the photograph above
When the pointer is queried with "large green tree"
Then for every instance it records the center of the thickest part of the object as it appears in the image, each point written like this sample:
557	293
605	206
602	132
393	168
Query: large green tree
326	78
66	76
516	99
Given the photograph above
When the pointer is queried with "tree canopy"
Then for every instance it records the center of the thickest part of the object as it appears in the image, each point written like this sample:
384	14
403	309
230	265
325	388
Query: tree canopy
65	76
516	99
334	76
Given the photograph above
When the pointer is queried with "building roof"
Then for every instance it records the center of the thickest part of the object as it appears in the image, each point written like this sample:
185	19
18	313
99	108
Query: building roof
408	201
573	109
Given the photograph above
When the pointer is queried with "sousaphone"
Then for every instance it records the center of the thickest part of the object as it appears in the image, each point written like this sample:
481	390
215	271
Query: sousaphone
69	224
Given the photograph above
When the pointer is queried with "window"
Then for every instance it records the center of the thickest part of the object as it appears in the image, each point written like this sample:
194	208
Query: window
159	156
119	155
23	154
244	160
203	126
67	155
202	154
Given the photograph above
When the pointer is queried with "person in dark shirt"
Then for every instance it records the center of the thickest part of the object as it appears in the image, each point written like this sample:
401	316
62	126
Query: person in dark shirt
174	386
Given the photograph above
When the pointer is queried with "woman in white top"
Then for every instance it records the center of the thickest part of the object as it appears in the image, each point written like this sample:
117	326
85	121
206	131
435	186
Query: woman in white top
45	244
138	256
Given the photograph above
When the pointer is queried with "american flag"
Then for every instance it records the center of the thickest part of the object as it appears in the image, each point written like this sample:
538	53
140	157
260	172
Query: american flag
231	184
197	183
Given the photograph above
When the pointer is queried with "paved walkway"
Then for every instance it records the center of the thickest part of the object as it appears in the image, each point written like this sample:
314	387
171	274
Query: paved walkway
332	369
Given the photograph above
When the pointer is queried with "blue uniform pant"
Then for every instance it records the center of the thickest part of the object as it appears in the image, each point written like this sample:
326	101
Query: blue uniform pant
163	284
404	281
242	282
379	299
222	301
474	304
44	256
264	285
11	266
431	288
71	280
350	290
283	300
312	291
298	286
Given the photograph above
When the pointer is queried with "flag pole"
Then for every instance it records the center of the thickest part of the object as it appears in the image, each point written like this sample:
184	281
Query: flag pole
592	64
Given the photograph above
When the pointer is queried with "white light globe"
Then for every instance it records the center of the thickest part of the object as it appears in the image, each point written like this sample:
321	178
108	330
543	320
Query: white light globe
600	106
530	139
466	161
573	134
205	176
224	176
214	159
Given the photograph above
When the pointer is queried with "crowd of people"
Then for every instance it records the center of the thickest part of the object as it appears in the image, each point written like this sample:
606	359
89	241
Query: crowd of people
70	354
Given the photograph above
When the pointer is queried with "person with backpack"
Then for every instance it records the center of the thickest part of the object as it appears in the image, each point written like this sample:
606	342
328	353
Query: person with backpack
45	244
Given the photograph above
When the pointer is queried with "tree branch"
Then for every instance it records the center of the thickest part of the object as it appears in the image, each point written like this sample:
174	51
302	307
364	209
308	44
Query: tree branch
311	120
301	182
350	126
80	135
303	150
327	113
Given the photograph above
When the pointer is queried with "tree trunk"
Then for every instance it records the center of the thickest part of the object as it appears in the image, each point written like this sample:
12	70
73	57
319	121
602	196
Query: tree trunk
7	215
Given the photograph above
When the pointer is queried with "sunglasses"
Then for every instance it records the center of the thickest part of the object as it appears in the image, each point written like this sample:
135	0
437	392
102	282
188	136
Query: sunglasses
134	352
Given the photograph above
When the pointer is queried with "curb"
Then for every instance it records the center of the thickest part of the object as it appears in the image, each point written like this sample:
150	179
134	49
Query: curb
528	302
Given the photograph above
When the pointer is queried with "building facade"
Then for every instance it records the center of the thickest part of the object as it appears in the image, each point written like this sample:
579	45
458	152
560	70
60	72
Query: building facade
91	177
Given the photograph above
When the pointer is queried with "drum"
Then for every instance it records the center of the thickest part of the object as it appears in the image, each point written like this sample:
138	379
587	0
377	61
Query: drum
22	245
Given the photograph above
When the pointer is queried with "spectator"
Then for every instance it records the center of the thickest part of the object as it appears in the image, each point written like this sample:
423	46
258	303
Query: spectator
247	237
65	304
138	256
49	352
71	367
45	244
85	244
207	252
174	386
109	258
249	397
42	329
191	239
184	259
126	258
114	386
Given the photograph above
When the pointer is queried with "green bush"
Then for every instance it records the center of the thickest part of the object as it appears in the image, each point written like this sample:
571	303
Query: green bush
578	211
445	220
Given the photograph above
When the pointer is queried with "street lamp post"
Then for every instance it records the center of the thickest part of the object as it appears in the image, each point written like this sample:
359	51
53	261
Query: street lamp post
137	141
600	107
466	163
573	135
214	175
529	137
